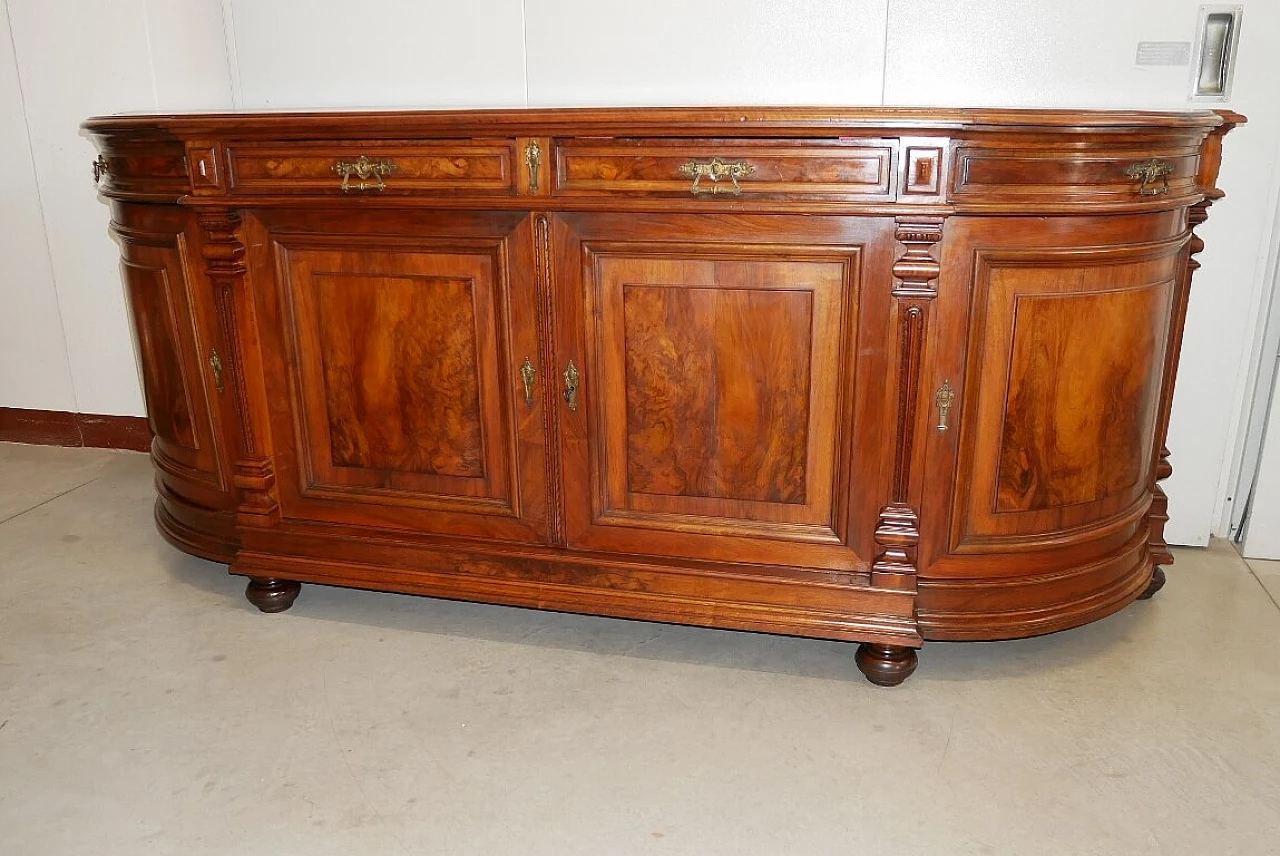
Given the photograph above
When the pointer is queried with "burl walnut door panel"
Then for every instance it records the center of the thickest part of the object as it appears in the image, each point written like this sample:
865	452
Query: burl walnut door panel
1060	399
402	356
717	386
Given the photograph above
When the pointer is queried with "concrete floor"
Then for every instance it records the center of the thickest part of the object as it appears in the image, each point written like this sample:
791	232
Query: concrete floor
146	708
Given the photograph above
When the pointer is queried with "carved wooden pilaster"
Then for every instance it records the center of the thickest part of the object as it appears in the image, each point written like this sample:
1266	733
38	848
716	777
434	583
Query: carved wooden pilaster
253	474
1206	178
916	270
915	274
897	536
546	321
1158	514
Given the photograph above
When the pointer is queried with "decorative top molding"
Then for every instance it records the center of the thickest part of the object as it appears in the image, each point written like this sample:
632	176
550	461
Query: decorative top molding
745	121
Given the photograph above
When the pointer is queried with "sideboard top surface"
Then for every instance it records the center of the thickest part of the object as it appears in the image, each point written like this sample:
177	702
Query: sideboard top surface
655	120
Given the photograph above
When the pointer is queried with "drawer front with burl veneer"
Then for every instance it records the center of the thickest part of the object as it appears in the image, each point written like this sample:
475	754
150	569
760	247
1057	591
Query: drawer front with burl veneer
471	168
1060	178
814	169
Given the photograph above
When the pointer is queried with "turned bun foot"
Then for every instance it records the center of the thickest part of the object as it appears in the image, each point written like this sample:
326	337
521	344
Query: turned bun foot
270	594
1157	583
885	665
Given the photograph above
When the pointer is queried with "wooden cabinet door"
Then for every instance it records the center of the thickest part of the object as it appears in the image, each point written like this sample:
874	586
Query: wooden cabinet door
717	385
1058	381
394	364
171	320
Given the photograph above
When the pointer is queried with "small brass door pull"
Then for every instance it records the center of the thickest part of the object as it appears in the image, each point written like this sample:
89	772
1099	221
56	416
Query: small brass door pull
571	386
527	376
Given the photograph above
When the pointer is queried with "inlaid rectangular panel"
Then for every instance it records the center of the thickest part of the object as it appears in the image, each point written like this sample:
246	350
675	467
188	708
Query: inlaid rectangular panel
717	391
1061	403
401	373
1060	445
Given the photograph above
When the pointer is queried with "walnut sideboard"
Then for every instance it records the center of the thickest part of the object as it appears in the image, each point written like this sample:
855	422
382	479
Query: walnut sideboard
874	375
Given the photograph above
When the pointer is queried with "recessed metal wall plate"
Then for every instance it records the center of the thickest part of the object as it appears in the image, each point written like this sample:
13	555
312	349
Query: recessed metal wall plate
1163	53
1214	62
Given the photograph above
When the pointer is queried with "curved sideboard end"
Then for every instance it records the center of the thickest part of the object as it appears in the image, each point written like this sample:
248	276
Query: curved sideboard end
198	531
988	609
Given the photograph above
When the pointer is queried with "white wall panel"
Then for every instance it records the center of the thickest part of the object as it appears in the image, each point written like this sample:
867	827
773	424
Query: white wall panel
188	50
1262	533
1035	54
378	53
1081	54
76	60
617	52
33	354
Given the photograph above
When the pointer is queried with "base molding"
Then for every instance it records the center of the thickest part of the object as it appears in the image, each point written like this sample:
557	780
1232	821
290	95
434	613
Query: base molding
62	428
594	585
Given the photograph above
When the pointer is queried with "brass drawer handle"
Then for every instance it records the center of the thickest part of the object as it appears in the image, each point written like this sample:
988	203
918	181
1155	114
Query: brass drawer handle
571	386
715	171
527	375
215	365
1149	172
945	398
365	170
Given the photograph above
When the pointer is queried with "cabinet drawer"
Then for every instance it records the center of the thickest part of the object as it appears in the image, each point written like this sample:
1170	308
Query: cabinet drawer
432	167
988	175
829	170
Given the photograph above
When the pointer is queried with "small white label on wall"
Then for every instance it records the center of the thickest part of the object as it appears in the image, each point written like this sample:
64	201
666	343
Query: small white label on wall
1163	53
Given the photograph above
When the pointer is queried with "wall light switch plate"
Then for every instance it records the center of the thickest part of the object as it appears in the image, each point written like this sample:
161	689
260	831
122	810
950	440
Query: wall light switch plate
1217	35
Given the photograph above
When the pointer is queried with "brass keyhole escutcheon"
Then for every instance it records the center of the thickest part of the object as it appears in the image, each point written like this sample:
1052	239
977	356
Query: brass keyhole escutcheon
533	160
528	374
945	398
215	365
571	386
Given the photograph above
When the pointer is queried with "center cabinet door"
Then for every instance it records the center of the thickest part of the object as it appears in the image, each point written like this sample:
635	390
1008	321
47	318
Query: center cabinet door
394	345
719	363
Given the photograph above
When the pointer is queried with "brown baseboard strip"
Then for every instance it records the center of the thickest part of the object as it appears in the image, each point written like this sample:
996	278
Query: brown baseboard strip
60	428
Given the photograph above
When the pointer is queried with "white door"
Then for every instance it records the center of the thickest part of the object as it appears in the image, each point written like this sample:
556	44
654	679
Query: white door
1262	526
